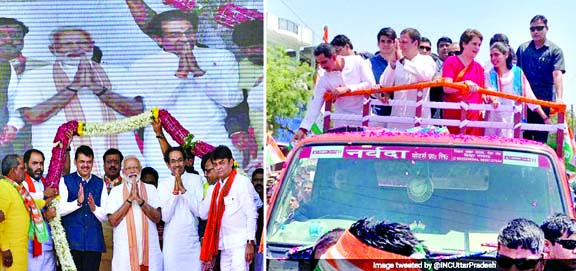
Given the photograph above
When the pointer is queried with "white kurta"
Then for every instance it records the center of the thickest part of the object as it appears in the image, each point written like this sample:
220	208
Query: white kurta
179	212
37	86
507	86
46	261
240	216
355	75
196	102
121	256
420	69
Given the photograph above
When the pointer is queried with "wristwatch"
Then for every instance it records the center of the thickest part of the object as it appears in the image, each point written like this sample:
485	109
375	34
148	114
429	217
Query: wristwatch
252	242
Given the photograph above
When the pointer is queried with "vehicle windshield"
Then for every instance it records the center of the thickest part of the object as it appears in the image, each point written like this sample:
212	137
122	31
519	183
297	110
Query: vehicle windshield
454	199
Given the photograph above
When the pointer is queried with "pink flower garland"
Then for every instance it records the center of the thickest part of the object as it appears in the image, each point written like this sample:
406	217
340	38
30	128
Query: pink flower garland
61	142
179	134
231	15
57	161
184	5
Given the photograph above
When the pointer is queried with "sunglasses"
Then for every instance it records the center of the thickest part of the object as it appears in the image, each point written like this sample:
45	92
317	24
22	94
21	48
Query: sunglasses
425	48
567	244
453	53
521	264
539	28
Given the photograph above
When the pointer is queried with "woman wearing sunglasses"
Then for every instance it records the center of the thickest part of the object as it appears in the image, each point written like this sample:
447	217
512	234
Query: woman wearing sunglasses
464	69
508	78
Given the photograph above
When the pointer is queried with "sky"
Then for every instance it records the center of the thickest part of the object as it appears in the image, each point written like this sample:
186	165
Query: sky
361	21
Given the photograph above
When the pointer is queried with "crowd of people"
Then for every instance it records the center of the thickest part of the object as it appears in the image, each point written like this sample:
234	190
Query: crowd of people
181	222
200	86
521	245
534	70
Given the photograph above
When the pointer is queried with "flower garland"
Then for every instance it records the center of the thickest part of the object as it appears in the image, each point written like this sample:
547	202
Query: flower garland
75	128
61	140
182	136
116	127
60	241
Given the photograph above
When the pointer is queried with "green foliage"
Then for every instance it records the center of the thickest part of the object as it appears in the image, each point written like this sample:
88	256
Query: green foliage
288	85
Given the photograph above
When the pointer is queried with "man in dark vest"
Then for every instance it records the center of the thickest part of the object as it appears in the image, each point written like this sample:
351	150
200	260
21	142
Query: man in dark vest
83	196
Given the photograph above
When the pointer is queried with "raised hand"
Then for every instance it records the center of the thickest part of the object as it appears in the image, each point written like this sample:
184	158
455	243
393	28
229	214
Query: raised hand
157	127
50	213
8	134
50	193
91	202
81	194
82	76
99	82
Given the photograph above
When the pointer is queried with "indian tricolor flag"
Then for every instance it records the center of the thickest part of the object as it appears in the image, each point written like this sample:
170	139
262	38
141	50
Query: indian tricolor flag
273	153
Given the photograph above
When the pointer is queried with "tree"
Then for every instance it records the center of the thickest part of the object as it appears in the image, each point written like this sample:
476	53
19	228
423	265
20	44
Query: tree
288	85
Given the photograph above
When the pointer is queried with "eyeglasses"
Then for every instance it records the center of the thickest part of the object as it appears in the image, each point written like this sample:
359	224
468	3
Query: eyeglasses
453	53
425	48
567	244
521	264
539	28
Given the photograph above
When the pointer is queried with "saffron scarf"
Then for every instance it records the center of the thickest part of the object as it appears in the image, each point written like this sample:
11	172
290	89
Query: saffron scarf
349	253
132	239
74	111
36	246
212	234
37	227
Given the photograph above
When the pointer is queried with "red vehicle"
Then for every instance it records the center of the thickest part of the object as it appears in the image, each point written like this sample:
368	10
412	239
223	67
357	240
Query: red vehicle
455	191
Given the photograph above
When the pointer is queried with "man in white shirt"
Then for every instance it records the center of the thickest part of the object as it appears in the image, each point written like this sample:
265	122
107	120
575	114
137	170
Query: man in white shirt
83	209
411	67
133	210
180	197
343	74
232	213
75	88
194	84
40	255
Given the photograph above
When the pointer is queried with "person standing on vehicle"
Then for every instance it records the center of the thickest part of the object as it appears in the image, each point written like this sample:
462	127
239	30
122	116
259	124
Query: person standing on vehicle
343	74
543	63
411	67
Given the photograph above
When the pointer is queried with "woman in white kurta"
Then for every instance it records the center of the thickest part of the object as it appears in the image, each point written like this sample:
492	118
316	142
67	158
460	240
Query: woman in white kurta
121	256
179	212
507	78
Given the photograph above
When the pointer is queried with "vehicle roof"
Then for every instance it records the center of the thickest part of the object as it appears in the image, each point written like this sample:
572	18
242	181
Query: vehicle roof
440	139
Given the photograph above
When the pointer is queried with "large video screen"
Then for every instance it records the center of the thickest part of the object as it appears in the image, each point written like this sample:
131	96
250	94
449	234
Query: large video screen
100	61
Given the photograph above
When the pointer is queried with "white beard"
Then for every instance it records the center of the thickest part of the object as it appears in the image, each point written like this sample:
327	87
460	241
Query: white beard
72	61
127	179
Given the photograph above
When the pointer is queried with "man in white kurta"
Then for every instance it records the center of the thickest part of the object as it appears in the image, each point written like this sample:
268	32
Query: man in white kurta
343	74
236	241
180	197
45	107
34	183
411	68
117	201
197	101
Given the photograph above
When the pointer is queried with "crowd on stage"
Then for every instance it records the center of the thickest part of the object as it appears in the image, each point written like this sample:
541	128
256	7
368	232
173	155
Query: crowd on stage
534	70
182	222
